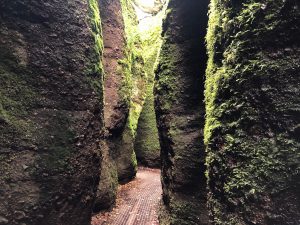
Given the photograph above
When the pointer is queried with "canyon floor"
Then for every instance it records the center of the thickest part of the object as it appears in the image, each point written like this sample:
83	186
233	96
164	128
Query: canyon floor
137	201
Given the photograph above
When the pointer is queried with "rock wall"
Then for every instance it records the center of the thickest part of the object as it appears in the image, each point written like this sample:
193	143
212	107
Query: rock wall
147	146
180	112
253	112
116	107
134	88
51	111
125	90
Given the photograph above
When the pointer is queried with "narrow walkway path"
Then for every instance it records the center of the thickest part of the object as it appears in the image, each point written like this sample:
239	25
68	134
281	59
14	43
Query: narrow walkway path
137	201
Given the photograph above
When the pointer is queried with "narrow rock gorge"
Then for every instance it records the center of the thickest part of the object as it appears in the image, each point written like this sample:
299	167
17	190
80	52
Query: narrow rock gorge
133	91
147	146
94	91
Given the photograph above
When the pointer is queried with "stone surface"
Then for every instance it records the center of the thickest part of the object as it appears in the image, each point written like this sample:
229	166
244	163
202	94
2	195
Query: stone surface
180	112
146	145
51	111
116	108
134	90
107	188
253	112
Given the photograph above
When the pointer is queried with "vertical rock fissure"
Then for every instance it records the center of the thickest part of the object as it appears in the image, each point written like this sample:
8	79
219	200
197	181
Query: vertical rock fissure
129	58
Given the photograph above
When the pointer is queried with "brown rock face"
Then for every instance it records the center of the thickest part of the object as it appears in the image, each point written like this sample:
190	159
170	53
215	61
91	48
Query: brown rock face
115	109
51	111
180	112
133	91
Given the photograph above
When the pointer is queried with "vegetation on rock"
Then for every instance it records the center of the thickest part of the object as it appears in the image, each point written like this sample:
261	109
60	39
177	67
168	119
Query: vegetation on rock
51	111
89	89
252	108
147	146
180	112
115	108
133	91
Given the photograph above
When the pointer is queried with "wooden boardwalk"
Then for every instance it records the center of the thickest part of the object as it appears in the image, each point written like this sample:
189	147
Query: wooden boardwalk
137	201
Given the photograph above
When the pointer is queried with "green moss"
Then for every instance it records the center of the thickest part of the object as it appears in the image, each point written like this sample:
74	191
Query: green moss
94	69
182	209
59	144
126	87
147	144
138	65
166	85
180	113
133	159
133	62
16	98
107	189
249	91
132	90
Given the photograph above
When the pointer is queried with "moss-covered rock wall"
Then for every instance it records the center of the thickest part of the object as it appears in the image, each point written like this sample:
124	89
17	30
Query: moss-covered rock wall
134	90
253	112
126	76
116	106
51	111
147	146
179	95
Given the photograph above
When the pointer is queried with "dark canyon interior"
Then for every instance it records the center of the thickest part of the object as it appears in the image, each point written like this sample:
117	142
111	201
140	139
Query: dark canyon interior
207	91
